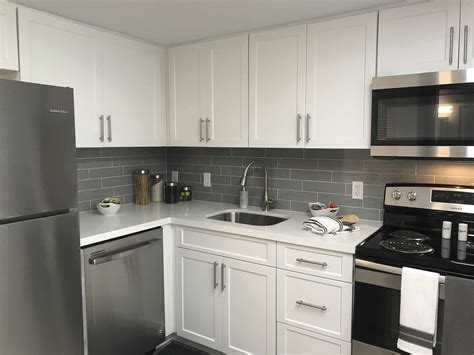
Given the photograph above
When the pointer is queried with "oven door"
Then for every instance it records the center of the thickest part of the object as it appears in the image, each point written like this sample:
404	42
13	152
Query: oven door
434	118
377	310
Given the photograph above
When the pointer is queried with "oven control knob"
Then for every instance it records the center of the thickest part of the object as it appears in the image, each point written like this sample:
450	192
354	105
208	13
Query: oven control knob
396	194
411	196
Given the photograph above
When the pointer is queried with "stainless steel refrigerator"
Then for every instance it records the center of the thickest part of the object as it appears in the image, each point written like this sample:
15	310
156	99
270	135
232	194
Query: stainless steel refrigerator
40	270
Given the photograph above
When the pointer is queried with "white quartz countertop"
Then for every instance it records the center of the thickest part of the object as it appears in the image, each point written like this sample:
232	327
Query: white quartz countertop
96	228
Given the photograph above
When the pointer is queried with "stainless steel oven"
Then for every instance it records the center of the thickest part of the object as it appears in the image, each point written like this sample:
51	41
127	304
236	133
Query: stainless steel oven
423	115
377	309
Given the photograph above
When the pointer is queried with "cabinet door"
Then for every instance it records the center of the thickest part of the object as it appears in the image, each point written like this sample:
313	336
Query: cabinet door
338	86
249	304
418	38
296	341
225	75
466	43
185	112
198	307
277	65
56	51
133	101
8	38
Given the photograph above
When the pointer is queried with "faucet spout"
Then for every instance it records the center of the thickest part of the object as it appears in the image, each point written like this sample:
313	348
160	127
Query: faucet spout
267	202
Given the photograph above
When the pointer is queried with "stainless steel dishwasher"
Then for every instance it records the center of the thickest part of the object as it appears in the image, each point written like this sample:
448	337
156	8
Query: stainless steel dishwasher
124	299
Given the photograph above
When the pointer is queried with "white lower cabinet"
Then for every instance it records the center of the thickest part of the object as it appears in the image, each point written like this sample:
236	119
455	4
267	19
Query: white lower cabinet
296	341
243	295
226	304
314	303
198	298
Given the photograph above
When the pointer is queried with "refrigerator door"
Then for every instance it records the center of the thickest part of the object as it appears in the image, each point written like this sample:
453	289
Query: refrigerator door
38	160
40	287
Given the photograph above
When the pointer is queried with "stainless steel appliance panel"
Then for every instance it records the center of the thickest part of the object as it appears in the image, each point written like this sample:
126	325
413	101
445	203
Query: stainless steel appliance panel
37	141
124	294
40	293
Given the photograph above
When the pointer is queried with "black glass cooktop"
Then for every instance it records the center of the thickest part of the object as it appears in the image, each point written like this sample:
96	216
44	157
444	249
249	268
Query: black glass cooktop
448	256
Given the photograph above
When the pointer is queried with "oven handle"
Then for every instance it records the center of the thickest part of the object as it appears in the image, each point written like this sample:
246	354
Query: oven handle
386	268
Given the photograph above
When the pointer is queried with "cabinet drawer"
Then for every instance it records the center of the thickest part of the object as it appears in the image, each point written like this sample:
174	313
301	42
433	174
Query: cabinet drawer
315	304
230	245
337	266
292	340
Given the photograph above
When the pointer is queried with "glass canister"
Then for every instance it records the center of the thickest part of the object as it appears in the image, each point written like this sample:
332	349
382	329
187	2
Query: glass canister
171	192
186	193
142	187
156	187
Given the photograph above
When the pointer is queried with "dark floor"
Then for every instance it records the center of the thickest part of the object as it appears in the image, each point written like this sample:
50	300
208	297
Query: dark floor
175	345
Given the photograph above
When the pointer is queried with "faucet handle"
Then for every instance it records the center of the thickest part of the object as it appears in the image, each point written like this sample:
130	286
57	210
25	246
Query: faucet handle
271	203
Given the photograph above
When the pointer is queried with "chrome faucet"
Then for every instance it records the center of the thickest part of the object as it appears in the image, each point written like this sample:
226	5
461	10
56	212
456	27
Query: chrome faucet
267	201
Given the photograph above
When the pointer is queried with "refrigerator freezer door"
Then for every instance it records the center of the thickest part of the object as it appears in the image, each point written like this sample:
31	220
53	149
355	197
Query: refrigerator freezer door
40	287
38	150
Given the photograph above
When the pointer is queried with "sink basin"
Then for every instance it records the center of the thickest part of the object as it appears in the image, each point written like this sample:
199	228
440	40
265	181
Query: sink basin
254	219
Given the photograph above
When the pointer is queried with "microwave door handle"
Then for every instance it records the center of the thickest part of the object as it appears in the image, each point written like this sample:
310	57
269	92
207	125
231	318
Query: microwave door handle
120	253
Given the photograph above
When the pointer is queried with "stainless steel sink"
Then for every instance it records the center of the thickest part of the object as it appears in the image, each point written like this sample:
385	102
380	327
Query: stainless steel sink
254	219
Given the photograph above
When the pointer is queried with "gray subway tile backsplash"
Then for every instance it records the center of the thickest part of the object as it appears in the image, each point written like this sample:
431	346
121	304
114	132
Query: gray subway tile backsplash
296	176
107	172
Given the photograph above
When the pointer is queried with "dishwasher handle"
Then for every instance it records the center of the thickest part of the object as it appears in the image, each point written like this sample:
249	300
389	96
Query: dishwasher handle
120	253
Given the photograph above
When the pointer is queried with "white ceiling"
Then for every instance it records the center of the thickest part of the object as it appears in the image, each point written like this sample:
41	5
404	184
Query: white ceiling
175	21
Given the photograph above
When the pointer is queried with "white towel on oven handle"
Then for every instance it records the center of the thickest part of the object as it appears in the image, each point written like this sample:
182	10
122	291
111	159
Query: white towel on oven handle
418	311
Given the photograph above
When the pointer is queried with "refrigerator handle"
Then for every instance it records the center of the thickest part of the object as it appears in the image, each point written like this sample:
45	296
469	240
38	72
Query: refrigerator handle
120	253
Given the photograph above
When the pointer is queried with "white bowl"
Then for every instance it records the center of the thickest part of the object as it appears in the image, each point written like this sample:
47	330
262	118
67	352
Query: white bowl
109	206
324	212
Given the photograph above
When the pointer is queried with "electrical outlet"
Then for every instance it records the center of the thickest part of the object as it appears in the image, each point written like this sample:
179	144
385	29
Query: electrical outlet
174	176
357	190
207	179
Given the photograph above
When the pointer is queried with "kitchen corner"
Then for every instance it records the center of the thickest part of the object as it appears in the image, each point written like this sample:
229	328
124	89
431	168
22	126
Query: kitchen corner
96	228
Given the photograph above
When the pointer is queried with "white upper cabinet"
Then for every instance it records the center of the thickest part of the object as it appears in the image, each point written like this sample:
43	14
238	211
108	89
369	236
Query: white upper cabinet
119	93
466	38
56	51
419	38
8	38
277	76
338	93
134	105
185	114
225	82
208	85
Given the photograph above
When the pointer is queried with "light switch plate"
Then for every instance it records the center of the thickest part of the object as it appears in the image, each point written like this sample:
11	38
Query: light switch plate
174	176
357	190
207	179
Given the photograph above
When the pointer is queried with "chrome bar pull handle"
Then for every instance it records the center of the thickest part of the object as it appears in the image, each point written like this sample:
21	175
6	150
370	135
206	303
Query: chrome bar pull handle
207	130
466	36
301	260
302	303
215	275
101	135
109	125
201	138
298	128
451	44
308	136
222	276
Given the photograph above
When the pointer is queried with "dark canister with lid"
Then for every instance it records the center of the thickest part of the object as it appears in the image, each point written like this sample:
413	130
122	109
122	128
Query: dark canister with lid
186	193
171	192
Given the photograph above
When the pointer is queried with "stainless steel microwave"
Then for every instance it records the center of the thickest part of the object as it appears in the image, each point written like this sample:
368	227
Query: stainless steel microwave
429	115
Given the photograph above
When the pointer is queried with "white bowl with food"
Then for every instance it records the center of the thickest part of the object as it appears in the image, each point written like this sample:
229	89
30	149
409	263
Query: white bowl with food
109	206
323	209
